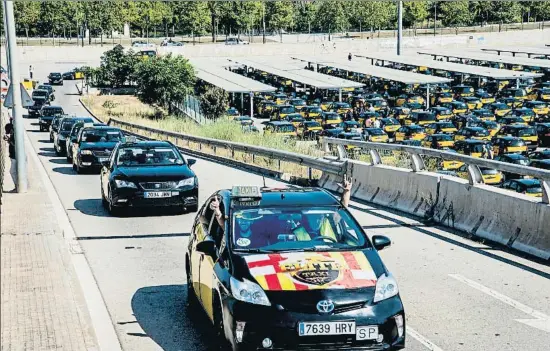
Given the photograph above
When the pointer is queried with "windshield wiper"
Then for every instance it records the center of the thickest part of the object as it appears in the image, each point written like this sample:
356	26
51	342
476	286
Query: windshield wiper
255	251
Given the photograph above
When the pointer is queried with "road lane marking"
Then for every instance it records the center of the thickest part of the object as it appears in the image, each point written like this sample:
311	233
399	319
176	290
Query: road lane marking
541	321
420	338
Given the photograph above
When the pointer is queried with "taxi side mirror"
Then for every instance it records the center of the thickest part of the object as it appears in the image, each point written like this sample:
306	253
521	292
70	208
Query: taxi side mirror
380	242
207	247
191	162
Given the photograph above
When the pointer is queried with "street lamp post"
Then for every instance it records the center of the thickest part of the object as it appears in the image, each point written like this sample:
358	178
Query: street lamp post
399	26
20	155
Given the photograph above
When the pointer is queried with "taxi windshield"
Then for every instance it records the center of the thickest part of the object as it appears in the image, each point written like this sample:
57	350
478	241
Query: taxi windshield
101	136
376	131
298	228
51	111
66	126
287	109
137	156
444	137
526	132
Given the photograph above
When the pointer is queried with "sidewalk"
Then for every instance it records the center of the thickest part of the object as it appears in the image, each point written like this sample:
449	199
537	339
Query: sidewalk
42	307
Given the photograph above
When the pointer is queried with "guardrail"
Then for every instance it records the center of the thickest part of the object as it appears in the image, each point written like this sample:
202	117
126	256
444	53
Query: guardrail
417	163
335	167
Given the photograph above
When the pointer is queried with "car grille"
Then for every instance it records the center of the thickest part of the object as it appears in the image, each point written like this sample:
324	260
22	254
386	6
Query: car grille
158	185
100	153
312	308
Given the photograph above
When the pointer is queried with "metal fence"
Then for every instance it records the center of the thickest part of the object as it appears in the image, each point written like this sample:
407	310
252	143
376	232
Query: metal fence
417	162
190	107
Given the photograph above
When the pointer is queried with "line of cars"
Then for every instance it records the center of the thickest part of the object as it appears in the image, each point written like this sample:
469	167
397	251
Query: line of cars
134	173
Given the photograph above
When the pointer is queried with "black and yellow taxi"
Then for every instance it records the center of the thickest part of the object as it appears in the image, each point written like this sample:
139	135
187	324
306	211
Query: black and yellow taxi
456	107
527	114
441	98
485	97
357	100
511	102
441	113
330	119
472	102
311	112
439	141
543	164
543	131
298	103
544	94
440	128
508	145
490	176
282	128
518	94
472	147
512	120
421	118
461	91
484	114
351	126
390	125
356	136
309	130
499	109
145	174
529	187
517	159
265	107
540	108
339	107
291	268
280	98
527	133
243	120
472	133
93	146
375	135
539	155
491	126
411	132
377	103
465	120
400	113
147	54
279	112
295	119
449	165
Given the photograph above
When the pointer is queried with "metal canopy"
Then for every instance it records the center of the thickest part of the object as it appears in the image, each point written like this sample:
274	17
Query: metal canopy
478	56
313	79
477	71
521	50
375	71
229	81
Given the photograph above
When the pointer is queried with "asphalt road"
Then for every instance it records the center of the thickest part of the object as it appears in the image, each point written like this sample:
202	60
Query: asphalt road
458	294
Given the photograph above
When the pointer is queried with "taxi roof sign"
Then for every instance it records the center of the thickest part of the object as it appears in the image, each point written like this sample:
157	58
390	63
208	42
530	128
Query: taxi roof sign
130	139
246	192
88	125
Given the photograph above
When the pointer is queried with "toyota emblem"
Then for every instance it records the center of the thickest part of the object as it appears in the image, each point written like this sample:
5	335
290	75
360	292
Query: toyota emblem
325	306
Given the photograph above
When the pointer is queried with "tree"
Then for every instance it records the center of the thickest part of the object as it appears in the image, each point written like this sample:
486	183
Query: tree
280	16
27	14
415	12
456	13
331	16
192	17
151	14
506	12
163	80
117	66
214	102
305	15
372	14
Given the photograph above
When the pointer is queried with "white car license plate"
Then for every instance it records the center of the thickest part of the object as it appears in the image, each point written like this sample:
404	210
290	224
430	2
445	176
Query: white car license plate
103	159
157	194
367	333
326	328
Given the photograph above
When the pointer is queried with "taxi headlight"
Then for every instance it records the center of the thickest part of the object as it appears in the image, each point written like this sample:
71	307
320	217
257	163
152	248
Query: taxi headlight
386	287
186	182
248	291
124	184
86	152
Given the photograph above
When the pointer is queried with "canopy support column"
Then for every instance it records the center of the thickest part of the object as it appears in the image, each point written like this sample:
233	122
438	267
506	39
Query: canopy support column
340	95
427	96
242	102
251	105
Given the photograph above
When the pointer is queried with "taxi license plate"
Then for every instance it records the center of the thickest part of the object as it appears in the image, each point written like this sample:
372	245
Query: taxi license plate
326	328
157	194
103	159
367	333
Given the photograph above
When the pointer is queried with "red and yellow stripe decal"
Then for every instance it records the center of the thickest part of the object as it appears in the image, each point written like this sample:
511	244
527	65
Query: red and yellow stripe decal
308	271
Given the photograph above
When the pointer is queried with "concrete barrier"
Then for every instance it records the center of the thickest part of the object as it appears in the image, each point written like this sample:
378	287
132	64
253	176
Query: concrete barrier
515	220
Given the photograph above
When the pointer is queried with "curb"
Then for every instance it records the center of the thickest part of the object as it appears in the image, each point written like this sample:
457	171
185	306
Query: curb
88	110
102	324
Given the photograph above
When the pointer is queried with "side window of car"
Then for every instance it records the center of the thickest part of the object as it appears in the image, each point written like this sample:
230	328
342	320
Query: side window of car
113	157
